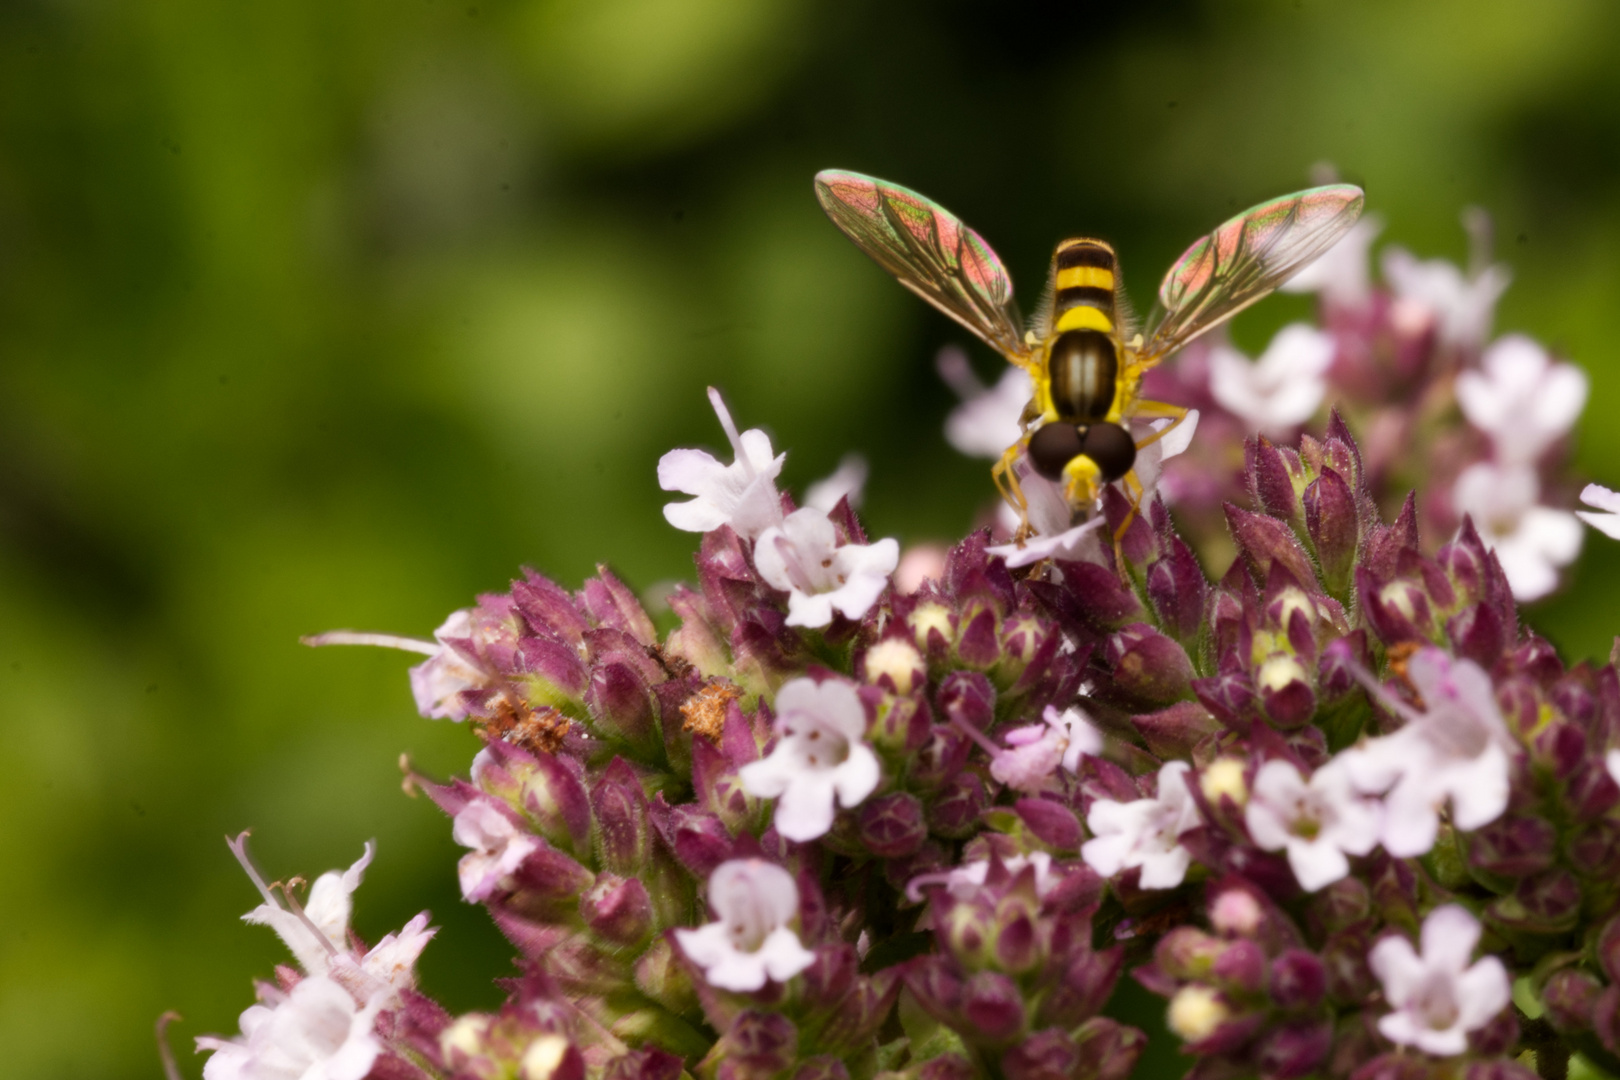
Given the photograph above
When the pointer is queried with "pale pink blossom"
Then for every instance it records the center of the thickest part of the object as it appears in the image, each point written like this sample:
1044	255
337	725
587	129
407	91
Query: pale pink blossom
988	420
1435	292
1521	399
848	481
821	759
1281	390
437	683
920	563
1144	832
498	844
742	494
1318	821
1458	750
1532	542
803	558
1034	752
313	1032
1437	997
1341	275
1607	502
964	882
750	940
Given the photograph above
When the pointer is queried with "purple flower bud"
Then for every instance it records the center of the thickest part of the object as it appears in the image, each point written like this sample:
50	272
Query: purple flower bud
966	697
1548	903
1478	633
1606	1019
993	1008
941	758
1498	1036
621	702
1399	610
1397	1066
1498	1069
1595	849
1294	1050
1342	903
1561	747
1513	846
648	1063
830	977
1140	543
1571	996
1177	587
1149	667
554	797
821	1067
548	608
1240	969
948	1067
935	986
1284	685
1263	541
611	603
1109	1049
1275	477
1187	953
1230	698
1173	732
1344	957
618	909
760	1043
1052	823
1334	528
1046	1055
1097	596
967	930
1087	984
954	813
624	829
662	973
979	644
1608	949
1017	943
892	826
1298	980
699	839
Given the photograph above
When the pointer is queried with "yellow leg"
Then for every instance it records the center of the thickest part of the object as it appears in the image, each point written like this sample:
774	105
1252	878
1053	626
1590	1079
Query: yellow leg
1005	475
1133	488
1177	413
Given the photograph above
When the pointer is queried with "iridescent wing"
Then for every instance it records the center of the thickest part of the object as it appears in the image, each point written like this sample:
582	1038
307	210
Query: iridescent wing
930	252
1245	259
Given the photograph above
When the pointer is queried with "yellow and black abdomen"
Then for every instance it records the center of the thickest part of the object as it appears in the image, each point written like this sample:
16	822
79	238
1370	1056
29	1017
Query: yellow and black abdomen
1083	357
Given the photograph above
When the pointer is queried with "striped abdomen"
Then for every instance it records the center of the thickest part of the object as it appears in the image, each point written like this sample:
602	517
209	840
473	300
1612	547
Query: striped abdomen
1083	360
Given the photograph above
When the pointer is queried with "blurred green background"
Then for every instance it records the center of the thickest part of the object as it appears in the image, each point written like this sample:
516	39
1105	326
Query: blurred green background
325	313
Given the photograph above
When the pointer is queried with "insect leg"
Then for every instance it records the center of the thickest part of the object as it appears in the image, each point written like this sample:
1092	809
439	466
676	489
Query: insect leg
1006	477
1176	412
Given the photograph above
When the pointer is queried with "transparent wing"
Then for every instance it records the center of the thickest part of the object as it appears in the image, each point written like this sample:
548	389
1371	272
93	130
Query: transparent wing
930	251
1245	259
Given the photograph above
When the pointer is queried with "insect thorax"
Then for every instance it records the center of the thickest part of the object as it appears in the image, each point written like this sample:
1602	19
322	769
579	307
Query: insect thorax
1082	357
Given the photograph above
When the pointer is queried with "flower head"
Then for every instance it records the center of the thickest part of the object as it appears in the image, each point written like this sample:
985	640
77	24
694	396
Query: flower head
1457	749
1531	541
314	1032
803	558
1460	306
742	494
987	421
1521	399
1034	752
1607	503
820	759
498	848
1437	997
749	941
1144	832
1280	391
1318	821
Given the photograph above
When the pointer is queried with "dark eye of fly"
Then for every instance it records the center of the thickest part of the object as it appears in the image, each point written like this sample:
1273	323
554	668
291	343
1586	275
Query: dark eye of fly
1111	447
1054	446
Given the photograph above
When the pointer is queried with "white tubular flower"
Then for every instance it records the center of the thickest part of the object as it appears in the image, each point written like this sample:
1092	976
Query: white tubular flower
1034	752
1436	291
749	941
1281	390
1521	399
742	494
498	849
1319	821
802	557
1600	498
1048	514
1145	832
1531	541
437	682
315	1032
318	933
847	481
987	421
1340	275
1437	997
964	882
820	759
1459	750
1150	459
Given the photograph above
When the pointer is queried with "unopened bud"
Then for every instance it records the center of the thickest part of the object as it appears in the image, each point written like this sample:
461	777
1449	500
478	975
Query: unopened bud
895	662
1223	778
551	1057
1196	1012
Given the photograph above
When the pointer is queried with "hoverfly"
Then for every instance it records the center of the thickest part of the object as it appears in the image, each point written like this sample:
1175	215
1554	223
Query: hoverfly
1082	353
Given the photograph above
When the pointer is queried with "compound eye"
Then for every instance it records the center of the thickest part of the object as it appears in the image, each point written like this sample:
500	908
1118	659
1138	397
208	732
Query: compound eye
1112	448
1054	446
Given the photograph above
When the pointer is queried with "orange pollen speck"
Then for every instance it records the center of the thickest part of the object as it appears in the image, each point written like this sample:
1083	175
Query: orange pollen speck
704	713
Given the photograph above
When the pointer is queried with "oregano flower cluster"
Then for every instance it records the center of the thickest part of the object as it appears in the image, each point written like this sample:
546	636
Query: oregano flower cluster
863	813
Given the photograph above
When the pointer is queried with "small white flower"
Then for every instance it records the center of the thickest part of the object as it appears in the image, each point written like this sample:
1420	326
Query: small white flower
1144	832
498	849
318	933
802	557
1457	750
749	941
1521	399
1319	821
1034	752
847	481
742	494
1532	542
964	882
1280	391
987	421
1340	275
1608	502
1611	762
1437	997
314	1032
437	682
820	758
1436	291
1150	459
